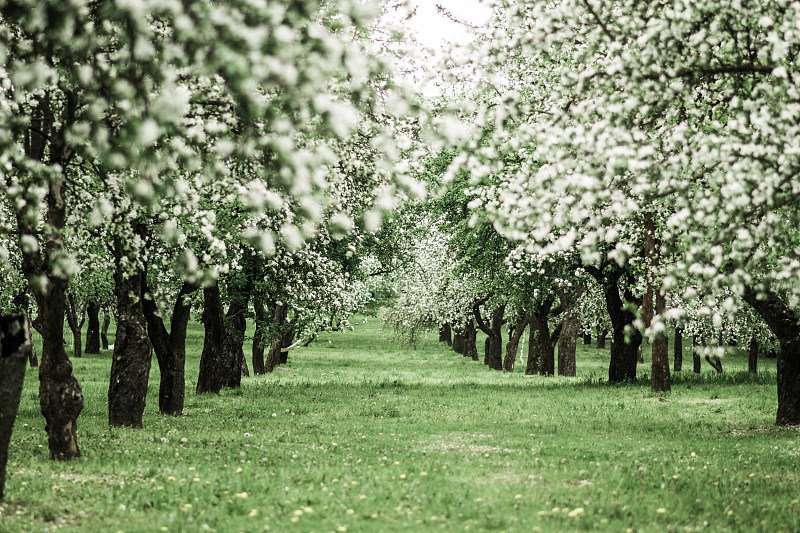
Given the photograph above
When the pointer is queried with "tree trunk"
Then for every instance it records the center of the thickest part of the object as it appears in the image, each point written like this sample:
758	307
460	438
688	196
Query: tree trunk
512	346
587	339
15	347
532	364
567	341
170	349
286	341
215	369
624	356
93	328
130	364
601	339
259	336
445	334
21	302
493	347
660	380
752	356
783	321
677	350
104	331
715	363
458	342
274	354
696	361
75	324
470	344
60	395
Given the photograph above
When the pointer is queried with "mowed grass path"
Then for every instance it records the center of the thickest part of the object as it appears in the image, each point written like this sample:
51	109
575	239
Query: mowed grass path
364	435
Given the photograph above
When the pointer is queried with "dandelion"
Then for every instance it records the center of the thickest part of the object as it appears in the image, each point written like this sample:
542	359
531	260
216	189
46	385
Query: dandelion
294	519
518	496
692	454
253	513
298	512
242	495
195	480
362	496
661	510
341	529
423	473
350	511
575	512
402	476
171	478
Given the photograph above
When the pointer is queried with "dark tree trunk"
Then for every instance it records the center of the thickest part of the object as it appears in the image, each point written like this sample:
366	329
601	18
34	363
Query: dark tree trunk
445	334
21	303
170	349
215	369
470	344
660	380
752	356
458	341
532	364
587	339
567	341
130	364
93	328
624	356
15	345
512	346
494	341
677	350
75	324
487	350
259	337
601	339
286	342
274	354
715	363
696	361
104	331
783	321
60	395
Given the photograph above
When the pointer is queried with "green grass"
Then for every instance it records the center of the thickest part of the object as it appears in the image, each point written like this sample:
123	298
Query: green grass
363	435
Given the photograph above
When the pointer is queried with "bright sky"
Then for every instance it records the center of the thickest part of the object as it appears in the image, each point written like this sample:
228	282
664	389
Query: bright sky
434	30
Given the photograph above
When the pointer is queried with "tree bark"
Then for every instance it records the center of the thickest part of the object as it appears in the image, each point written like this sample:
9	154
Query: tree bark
677	350
567	341
532	364
104	331
783	321
715	363
259	336
512	346
221	359
587	339
170	349
470	344
624	356
130	364
752	356
660	380
287	338
445	334
274	354
215	371
696	361
601	339
495	341
15	347
60	395
93	328
21	303
458	341
75	324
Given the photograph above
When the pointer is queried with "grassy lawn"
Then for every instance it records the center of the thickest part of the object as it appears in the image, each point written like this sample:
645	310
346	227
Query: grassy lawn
363	435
